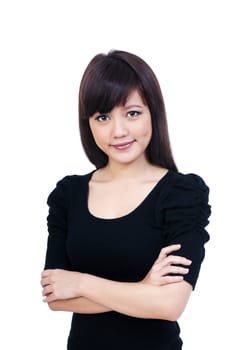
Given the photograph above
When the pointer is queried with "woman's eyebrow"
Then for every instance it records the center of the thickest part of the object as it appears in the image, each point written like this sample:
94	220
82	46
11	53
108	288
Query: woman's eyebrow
133	106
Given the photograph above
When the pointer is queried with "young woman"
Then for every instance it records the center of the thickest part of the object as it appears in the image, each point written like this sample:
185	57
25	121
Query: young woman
126	241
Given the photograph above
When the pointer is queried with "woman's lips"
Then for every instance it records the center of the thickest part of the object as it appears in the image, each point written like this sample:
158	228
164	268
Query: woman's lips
123	146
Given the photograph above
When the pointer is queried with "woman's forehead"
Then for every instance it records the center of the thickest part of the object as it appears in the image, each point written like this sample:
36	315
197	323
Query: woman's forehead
134	98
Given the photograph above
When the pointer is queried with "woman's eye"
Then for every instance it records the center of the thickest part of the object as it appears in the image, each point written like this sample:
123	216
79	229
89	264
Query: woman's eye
102	118
133	114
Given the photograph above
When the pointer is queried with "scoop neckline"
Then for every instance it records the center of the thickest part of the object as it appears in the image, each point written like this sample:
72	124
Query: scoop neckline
133	211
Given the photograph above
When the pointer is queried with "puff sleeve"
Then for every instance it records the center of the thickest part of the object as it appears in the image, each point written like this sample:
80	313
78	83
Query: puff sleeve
56	256
185	215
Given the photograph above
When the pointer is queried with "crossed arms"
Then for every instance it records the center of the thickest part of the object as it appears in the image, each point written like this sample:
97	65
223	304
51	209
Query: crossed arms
162	294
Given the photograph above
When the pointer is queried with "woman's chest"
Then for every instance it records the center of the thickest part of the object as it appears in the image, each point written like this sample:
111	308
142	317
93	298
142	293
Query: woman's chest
113	202
121	249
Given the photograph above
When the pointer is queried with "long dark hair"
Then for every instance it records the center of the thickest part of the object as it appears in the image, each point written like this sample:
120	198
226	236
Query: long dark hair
107	82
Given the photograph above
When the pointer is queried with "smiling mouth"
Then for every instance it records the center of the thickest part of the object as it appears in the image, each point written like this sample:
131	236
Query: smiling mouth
124	145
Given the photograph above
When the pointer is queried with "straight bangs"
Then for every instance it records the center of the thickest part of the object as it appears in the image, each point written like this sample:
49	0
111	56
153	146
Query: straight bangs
108	87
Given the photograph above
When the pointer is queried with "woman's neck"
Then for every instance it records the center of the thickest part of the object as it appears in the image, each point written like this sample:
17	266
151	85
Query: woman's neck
137	170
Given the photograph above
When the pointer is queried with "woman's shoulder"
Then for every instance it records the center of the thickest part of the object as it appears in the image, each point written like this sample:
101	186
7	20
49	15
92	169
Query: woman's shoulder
190	180
184	188
74	179
67	185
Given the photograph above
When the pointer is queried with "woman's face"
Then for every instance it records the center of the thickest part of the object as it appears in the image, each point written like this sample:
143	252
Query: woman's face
124	133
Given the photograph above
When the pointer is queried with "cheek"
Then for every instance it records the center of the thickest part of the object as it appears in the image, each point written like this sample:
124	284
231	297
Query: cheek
146	129
98	135
91	126
93	130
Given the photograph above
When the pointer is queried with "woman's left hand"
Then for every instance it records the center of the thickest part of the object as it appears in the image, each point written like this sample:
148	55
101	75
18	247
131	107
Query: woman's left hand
167	268
60	284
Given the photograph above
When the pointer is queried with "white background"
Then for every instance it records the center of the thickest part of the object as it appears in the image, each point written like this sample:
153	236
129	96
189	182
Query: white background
45	47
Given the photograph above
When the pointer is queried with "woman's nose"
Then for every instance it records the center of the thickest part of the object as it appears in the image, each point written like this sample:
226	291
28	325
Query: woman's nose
119	128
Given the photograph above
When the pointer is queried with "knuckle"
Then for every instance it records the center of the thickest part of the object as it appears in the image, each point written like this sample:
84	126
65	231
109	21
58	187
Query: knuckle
171	258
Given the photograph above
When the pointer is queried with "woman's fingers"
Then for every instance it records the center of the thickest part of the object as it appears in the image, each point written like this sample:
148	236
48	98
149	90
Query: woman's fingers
171	260
171	279
159	276
168	268
166	251
47	290
175	260
60	284
177	270
44	281
171	248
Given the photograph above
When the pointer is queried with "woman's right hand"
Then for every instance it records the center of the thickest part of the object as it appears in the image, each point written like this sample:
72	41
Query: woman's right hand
166	269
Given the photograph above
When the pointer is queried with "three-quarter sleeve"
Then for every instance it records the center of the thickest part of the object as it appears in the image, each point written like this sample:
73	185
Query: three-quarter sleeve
186	214
56	256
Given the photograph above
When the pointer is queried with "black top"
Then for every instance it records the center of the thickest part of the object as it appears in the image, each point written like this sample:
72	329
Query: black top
124	249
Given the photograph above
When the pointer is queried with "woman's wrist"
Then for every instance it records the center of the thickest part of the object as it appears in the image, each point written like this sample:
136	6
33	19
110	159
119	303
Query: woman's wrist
82	284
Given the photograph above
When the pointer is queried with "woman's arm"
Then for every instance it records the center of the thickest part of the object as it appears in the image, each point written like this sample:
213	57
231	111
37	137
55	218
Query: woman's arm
134	299
157	276
78	305
166	301
138	299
